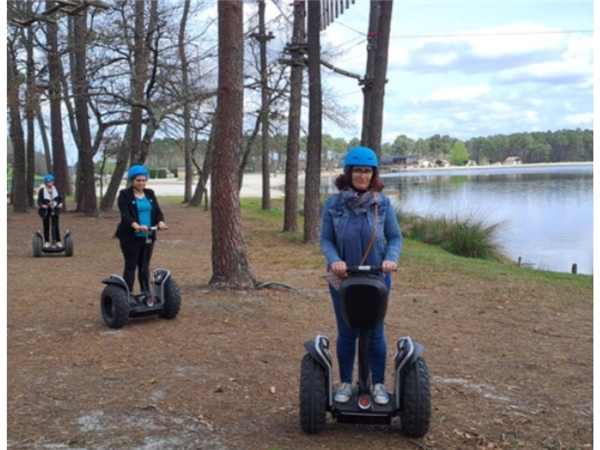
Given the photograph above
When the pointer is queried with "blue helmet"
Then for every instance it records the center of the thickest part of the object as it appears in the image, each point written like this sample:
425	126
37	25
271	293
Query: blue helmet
137	170
48	176
361	156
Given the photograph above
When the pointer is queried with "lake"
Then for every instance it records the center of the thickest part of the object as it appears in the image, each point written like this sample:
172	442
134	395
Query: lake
546	210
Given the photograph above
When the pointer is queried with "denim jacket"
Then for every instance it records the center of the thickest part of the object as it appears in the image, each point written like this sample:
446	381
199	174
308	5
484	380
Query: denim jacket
388	242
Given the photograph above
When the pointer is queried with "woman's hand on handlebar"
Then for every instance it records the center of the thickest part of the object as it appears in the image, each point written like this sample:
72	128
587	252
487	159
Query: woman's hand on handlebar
339	268
162	226
388	266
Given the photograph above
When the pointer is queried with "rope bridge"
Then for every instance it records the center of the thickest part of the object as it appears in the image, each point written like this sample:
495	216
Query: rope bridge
332	9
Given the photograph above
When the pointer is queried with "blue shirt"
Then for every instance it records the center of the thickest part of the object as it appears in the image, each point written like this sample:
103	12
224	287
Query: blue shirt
144	208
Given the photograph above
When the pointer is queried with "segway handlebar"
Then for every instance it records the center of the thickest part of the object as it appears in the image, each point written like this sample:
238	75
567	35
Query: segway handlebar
365	269
152	229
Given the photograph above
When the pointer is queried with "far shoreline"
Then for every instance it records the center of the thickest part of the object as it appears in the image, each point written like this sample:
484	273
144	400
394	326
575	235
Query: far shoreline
252	181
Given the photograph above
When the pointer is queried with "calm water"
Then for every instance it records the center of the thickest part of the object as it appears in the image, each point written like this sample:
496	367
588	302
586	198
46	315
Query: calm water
546	211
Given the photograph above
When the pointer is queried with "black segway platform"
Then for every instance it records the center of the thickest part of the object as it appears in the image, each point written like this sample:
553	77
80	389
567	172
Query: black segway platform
39	248
118	305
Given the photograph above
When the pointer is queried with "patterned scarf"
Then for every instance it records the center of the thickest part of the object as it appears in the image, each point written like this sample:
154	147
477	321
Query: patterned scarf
50	194
359	203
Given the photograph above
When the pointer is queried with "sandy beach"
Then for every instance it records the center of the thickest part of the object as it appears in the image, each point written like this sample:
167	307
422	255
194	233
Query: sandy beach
252	183
251	186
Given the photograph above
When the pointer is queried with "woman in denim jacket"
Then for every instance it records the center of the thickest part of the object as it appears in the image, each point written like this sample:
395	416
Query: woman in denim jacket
346	230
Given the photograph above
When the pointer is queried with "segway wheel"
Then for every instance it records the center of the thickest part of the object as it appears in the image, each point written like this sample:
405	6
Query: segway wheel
415	415
69	245
114	304
172	300
313	396
37	245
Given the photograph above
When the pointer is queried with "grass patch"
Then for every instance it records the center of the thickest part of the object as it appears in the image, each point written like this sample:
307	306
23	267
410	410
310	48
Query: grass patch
468	239
434	259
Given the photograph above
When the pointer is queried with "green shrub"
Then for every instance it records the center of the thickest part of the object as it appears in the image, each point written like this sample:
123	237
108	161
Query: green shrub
469	237
473	240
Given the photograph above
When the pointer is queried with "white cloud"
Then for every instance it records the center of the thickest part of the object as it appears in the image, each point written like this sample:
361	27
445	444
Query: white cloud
582	120
547	72
509	39
500	107
458	94
462	116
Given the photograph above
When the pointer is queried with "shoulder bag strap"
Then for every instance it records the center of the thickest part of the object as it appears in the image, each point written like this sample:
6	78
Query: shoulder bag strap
372	237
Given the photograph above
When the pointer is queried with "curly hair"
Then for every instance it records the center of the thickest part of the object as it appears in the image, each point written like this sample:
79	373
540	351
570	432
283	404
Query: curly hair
344	180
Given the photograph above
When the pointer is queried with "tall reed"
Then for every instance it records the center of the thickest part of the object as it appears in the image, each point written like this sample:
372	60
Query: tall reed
468	236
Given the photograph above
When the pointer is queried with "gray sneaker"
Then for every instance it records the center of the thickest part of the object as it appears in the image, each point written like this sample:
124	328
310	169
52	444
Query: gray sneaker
343	393
380	394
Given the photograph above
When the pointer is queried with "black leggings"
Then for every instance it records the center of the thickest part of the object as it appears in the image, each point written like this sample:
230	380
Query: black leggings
55	233
137	253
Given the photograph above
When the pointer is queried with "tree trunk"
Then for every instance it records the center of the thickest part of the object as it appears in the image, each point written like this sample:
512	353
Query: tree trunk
44	134
30	100
375	117
229	253
86	183
204	172
372	42
19	189
312	183
120	168
138	80
290	222
60	166
187	147
155	114
264	107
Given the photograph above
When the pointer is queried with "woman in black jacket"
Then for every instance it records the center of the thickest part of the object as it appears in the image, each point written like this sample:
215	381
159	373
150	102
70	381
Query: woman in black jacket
139	212
50	202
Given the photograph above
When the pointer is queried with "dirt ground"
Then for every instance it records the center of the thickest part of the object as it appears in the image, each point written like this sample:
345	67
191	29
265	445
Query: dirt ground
511	363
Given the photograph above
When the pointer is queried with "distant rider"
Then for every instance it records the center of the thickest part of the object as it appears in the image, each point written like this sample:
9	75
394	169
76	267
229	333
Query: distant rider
50	202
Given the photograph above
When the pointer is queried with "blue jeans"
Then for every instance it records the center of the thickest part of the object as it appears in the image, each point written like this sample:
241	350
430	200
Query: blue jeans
346	344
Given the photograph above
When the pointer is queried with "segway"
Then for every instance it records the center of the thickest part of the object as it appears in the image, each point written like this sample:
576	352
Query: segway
161	297
364	300
39	243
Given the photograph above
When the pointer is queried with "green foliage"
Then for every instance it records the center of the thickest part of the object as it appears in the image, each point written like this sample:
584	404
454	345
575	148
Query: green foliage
336	145
157	173
459	156
535	147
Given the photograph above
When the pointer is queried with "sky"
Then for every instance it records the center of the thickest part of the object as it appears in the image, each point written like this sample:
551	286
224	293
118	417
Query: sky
472	68
464	68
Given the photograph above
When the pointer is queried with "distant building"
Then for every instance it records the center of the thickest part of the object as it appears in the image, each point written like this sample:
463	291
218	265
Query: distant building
512	160
425	163
397	161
